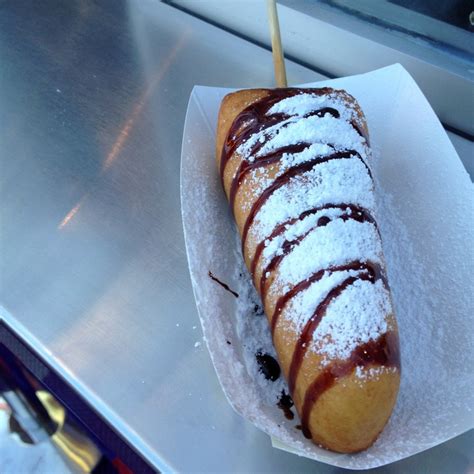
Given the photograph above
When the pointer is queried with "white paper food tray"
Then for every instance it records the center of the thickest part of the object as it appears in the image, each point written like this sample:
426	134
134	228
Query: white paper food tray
426	218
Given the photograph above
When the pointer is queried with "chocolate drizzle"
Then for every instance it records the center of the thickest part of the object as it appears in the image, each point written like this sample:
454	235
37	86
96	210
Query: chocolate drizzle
383	351
265	160
303	285
285	403
279	229
285	178
225	286
310	327
254	119
350	212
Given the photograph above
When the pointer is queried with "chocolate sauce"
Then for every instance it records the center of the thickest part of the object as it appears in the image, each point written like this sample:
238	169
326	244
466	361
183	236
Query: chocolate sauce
279	229
285	403
253	119
323	221
258	311
303	285
322	112
285	178
383	351
350	213
226	287
265	160
258	145
310	327
268	366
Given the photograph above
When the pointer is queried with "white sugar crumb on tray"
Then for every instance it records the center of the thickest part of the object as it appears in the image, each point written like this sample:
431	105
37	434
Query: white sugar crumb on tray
254	336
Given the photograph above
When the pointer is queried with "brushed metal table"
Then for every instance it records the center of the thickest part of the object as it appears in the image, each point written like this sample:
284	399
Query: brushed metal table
93	270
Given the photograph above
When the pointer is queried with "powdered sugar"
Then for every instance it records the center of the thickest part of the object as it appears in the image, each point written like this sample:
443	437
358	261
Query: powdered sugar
302	104
299	228
292	159
260	176
303	305
312	129
337	243
356	316
372	373
335	182
327	129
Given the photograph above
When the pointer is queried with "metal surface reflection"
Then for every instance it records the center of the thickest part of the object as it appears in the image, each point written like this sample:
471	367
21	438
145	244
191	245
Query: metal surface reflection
137	109
130	123
69	215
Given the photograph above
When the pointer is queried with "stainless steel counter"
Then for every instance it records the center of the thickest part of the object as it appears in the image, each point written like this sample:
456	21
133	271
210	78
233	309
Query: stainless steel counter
93	267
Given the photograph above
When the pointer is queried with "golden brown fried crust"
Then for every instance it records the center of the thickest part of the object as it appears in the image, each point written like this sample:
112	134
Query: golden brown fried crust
349	416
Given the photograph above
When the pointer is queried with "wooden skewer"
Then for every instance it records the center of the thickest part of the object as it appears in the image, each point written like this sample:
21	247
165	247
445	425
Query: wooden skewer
278	59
